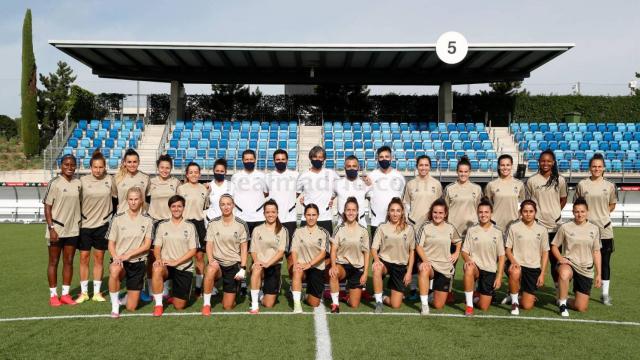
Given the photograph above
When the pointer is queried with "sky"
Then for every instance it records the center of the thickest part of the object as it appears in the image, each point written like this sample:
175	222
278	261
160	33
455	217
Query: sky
604	60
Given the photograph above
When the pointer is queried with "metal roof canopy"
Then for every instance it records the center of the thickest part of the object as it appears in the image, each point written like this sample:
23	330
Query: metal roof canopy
367	64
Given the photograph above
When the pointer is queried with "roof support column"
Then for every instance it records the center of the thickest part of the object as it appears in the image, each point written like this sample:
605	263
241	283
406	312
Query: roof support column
176	102
445	102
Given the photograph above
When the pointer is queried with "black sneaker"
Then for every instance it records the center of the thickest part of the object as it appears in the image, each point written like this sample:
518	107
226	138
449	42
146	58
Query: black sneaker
243	291
564	312
198	292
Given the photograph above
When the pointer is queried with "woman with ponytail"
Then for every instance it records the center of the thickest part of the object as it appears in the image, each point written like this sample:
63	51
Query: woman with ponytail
548	189
98	191
269	241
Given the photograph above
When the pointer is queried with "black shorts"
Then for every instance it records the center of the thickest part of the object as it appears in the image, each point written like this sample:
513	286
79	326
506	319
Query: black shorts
607	245
528	279
134	274
229	283
353	275
315	282
326	224
372	233
581	283
65	241
180	282
441	282
291	228
201	229
396	275
485	283
271	280
94	238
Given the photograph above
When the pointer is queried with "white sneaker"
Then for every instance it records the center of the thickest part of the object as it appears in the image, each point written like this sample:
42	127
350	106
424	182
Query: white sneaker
297	308
606	300
515	309
564	312
425	309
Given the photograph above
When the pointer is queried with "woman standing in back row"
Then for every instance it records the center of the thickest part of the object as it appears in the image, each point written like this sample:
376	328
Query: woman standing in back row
98	191
506	193
601	198
129	176
549	191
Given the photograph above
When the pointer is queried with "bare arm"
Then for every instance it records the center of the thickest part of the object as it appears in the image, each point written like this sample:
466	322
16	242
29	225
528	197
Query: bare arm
243	254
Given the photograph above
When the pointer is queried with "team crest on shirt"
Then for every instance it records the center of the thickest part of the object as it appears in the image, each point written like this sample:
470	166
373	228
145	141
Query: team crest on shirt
235	235
142	228
473	194
539	236
166	233
172	187
64	190
495	239
498	190
186	234
515	189
319	241
203	195
572	234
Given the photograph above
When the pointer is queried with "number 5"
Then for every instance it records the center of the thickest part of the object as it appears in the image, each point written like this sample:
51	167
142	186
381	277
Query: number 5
452	47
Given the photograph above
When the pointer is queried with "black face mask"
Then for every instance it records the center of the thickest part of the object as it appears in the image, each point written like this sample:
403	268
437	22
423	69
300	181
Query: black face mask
351	174
281	166
317	164
218	177
249	166
384	164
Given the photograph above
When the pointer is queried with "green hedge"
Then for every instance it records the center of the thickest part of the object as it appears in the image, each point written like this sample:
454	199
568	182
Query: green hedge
592	108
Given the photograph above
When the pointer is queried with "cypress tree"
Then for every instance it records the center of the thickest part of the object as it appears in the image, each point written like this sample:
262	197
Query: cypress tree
29	122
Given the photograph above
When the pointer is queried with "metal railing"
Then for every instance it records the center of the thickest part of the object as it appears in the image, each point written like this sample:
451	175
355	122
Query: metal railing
51	153
164	138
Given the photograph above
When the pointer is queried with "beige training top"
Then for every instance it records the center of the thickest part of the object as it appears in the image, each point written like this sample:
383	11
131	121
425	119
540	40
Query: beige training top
227	239
599	194
463	203
350	244
129	234
484	247
175	240
578	244
548	200
436	241
197	200
140	180
505	195
420	194
96	203
160	191
527	243
64	198
266	244
308	244
394	246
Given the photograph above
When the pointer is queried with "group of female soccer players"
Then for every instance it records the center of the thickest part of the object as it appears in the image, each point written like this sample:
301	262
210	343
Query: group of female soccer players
164	228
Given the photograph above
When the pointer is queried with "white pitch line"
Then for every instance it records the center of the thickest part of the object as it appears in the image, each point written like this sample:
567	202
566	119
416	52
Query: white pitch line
323	339
286	313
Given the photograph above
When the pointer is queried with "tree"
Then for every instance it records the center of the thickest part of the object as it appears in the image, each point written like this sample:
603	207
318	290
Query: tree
28	89
343	100
230	100
8	127
505	87
107	103
53	100
81	104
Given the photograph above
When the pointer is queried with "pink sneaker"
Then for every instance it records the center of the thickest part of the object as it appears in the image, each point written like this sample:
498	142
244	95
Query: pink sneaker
67	300
54	301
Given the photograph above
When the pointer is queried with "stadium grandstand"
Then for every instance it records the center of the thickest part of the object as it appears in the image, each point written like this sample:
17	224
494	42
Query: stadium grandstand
205	140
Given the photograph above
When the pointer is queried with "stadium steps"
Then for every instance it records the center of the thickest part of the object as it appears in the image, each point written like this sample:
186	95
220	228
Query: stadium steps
308	137
148	147
503	142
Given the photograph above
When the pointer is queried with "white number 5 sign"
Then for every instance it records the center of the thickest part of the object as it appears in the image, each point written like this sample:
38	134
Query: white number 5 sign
452	47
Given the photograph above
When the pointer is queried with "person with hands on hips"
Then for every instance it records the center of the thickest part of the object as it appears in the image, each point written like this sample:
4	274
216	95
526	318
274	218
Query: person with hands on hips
175	243
580	243
129	238
227	255
483	254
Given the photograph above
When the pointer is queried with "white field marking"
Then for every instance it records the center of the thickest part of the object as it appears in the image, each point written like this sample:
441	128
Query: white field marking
279	313
323	339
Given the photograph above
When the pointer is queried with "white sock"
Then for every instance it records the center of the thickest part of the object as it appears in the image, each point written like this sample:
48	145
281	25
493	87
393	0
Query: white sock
414	282
514	298
199	280
424	299
468	298
378	297
165	288
149	286
84	286
65	290
296	296
115	302
431	284
207	299
255	296
334	298
53	292
97	284
158	299
605	287
562	302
